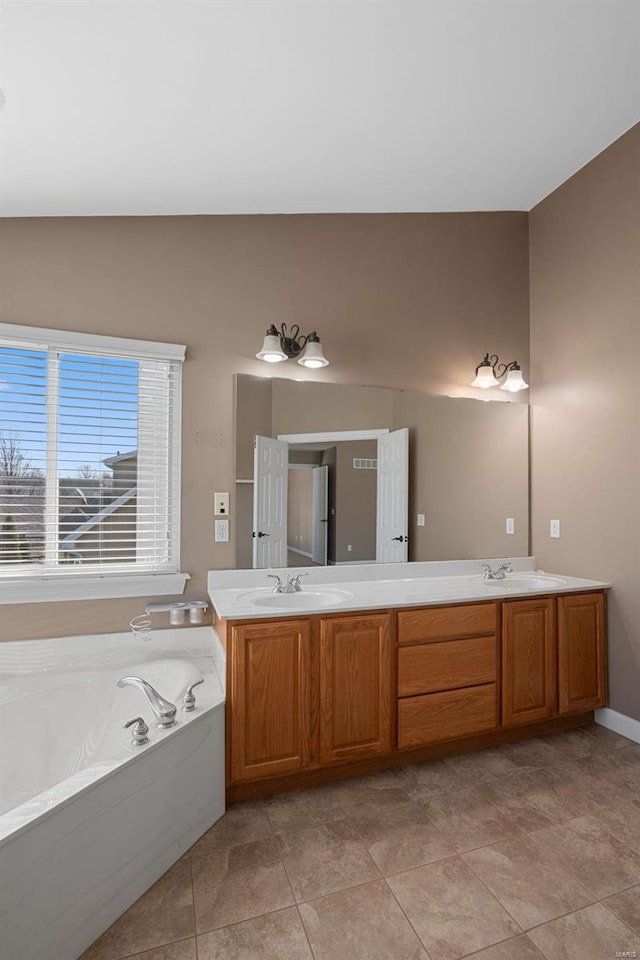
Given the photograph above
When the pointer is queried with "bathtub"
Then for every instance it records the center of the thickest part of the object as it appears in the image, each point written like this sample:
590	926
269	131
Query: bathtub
87	821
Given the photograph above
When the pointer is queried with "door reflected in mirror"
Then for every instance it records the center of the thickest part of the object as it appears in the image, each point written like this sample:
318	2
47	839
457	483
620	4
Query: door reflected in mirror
451	475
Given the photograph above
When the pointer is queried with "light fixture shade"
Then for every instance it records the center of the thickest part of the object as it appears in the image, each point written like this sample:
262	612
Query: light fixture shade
313	356
514	381
271	351
484	377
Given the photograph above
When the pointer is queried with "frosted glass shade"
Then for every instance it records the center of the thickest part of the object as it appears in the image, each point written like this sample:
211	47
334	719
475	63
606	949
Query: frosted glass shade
484	377
313	356
515	381
271	351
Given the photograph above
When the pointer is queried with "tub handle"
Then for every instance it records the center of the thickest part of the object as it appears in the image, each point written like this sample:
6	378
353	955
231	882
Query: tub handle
189	700
139	732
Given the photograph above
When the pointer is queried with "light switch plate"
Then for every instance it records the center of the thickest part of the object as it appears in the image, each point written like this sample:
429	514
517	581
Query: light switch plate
221	504
222	531
554	529
510	525
421	519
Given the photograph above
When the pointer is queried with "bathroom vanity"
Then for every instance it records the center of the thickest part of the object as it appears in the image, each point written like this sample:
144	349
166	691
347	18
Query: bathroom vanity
369	667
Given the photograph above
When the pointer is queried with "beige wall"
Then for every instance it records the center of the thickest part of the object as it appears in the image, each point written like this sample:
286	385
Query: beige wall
468	472
355	503
300	510
585	349
408	300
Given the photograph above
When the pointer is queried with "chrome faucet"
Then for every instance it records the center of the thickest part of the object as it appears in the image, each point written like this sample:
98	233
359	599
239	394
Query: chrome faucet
164	710
291	586
500	573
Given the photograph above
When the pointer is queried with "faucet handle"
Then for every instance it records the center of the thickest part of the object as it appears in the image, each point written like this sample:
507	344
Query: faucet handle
277	587
189	700
139	732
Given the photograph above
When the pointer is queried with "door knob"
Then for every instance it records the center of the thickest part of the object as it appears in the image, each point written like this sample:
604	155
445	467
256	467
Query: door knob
260	534
401	539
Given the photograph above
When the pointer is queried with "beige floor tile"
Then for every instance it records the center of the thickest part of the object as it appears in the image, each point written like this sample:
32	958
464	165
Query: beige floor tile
401	846
587	785
626	905
623	821
303	808
529	884
532	752
430	778
362	923
182	950
607	739
239	883
529	800
163	914
481	765
452	912
603	864
627	766
241	823
520	948
593	933
572	744
323	859
468	819
274	936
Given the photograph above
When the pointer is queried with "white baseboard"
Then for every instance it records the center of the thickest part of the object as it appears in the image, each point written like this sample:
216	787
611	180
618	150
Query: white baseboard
302	553
619	722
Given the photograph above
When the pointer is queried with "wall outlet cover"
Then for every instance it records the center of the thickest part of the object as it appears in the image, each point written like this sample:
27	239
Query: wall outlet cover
421	519
221	531
510	525
554	529
221	504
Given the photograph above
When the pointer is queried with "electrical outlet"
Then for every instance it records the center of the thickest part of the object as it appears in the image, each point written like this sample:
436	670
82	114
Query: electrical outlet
221	504
421	519
221	531
510	525
554	529
349	547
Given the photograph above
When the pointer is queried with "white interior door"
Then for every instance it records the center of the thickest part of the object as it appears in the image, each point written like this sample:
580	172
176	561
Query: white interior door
270	476
320	497
393	497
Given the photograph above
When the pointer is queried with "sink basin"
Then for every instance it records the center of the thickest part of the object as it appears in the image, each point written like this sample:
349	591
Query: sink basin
535	581
305	600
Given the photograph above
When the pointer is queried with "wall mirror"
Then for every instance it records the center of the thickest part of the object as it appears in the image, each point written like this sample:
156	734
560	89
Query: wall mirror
332	473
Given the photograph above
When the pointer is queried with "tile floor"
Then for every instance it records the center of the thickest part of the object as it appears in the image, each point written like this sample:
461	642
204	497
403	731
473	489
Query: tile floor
525	851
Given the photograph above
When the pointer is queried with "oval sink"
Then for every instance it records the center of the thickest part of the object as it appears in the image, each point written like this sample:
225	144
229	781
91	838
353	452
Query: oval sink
305	600
536	581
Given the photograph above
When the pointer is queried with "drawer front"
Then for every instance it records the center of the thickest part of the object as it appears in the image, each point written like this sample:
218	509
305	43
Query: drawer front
427	667
446	623
436	717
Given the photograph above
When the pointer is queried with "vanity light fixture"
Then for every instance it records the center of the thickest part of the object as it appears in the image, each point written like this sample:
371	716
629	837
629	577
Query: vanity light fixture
286	344
489	373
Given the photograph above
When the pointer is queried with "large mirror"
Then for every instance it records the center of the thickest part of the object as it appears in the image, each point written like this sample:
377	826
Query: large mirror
339	474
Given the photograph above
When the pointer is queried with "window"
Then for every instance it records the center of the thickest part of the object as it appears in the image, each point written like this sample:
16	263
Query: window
89	465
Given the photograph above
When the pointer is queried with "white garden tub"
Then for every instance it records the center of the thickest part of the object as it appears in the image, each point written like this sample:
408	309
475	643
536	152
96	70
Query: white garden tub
88	822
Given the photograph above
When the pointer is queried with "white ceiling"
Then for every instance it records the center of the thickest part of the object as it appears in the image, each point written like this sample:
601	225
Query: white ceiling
266	106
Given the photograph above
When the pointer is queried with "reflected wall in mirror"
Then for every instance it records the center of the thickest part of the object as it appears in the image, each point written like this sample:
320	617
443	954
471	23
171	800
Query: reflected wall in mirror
468	469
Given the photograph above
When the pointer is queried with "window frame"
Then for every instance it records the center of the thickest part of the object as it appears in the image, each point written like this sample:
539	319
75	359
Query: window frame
47	585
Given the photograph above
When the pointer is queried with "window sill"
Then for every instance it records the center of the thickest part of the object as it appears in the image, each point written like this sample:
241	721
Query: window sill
48	590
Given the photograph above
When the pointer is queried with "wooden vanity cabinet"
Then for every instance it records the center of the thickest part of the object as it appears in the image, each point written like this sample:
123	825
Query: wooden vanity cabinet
553	657
582	675
356	697
529	667
269	720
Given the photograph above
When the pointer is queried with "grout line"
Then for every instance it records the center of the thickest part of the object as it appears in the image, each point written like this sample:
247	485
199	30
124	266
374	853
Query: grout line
301	919
193	906
158	946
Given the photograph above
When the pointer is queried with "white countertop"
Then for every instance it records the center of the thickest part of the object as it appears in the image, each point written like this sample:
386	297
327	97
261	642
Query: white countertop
248	594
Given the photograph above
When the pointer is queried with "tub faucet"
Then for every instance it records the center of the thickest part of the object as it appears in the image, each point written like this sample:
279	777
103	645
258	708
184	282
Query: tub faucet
500	573
164	710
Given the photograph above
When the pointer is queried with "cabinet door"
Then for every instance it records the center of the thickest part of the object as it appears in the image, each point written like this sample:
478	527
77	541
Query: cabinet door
355	687
529	673
270	711
581	652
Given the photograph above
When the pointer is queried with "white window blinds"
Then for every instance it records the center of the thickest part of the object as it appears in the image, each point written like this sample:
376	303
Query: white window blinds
89	456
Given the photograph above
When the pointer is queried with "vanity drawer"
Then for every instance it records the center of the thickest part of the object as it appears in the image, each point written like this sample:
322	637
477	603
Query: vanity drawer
434	717
427	667
446	623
